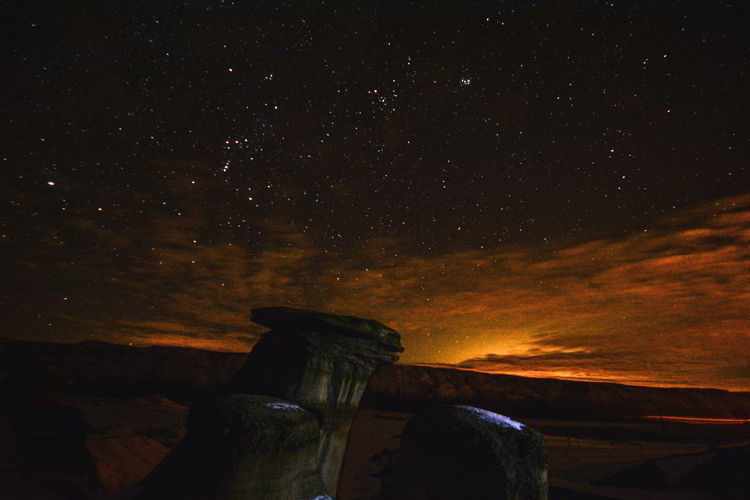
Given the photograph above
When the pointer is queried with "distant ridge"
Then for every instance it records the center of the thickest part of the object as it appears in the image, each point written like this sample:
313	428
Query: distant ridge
94	367
403	386
99	368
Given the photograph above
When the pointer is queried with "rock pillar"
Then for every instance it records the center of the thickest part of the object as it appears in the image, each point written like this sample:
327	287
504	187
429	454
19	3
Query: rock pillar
321	362
240	447
450	452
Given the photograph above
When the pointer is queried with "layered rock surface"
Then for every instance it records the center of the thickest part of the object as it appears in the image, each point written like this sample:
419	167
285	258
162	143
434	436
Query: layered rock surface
450	452
321	362
242	446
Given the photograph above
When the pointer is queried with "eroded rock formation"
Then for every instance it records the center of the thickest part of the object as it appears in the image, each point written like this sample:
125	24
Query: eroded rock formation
321	362
242	446
450	452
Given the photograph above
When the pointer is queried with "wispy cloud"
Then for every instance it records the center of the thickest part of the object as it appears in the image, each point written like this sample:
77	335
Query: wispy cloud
666	306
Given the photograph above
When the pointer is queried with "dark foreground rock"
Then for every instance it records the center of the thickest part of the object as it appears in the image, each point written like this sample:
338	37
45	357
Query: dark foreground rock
43	456
321	362
728	474
241	446
450	452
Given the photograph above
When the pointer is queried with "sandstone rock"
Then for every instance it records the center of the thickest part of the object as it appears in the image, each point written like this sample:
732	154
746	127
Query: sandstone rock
241	446
450	452
289	318
123	461
321	362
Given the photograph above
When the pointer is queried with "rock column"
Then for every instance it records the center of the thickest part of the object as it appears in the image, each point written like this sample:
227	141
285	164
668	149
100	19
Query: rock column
450	452
241	447
321	362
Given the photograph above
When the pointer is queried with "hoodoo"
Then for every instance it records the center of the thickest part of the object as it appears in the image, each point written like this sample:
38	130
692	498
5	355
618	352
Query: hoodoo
321	362
279	429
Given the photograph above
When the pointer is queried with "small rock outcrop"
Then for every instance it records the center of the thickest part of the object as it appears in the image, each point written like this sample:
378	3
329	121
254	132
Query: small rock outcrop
450	452
647	476
321	362
242	446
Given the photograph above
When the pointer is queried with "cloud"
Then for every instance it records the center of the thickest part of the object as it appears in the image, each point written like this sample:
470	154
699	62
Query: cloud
667	306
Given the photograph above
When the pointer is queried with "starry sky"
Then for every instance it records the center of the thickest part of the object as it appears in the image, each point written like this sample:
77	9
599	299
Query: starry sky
543	188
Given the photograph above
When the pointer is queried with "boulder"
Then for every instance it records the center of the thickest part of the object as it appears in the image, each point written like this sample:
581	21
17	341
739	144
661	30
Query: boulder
450	452
241	446
321	362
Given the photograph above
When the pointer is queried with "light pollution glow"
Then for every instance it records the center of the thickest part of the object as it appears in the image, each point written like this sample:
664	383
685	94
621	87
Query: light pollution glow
666	306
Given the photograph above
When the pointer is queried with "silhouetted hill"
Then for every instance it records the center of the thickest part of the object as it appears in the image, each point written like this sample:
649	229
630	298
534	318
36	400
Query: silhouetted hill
408	387
98	368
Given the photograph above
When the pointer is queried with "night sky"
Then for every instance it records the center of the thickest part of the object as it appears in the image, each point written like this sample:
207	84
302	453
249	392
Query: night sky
549	188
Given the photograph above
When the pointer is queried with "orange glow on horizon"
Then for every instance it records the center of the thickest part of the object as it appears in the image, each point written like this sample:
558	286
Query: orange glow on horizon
220	345
583	376
667	307
699	420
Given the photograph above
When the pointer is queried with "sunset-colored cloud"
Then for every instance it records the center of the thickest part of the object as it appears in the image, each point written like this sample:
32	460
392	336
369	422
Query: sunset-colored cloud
667	306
